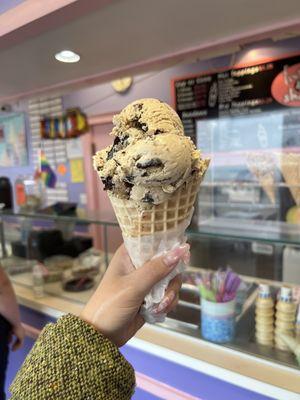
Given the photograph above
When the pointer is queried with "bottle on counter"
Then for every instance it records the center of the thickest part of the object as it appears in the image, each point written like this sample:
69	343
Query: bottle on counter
264	316
20	191
285	317
38	281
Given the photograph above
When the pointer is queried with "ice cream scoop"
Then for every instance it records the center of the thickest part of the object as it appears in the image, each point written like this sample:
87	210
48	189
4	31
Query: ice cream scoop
148	116
150	157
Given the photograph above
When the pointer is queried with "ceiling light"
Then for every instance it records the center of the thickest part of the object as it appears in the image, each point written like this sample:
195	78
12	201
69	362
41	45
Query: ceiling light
67	56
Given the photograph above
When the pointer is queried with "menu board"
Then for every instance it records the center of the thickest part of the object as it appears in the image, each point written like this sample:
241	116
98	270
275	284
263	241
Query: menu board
249	90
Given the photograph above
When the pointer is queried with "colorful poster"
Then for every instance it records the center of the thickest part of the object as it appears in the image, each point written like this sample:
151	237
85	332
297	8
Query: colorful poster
76	168
13	146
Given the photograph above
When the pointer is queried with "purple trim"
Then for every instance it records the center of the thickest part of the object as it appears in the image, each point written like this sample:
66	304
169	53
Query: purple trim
34	318
186	379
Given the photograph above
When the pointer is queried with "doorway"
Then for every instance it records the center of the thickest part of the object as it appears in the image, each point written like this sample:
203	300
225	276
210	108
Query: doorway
97	199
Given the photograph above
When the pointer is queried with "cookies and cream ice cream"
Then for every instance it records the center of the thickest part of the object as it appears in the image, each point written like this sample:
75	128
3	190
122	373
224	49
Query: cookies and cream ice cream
150	157
152	173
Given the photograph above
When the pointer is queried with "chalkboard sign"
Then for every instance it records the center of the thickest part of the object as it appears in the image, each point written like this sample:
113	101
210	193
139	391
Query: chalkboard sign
249	90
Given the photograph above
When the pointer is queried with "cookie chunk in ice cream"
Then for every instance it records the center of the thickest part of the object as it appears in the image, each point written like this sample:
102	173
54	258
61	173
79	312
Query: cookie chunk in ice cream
150	157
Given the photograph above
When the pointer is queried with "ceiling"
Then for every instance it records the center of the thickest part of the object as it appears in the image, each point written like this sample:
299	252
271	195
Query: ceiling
115	38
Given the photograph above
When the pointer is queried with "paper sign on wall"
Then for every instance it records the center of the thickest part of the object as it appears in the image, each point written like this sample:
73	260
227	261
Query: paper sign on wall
74	148
76	169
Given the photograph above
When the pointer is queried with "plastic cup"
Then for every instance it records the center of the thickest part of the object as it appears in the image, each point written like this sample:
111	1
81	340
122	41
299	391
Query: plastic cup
218	321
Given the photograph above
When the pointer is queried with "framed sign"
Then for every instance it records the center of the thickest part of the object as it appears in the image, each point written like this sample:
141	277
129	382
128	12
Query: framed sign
247	90
13	144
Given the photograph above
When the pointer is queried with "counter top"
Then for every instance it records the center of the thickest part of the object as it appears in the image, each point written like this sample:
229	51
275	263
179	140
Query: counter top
237	367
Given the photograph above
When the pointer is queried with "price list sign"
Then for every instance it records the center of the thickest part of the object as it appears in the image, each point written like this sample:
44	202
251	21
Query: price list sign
251	89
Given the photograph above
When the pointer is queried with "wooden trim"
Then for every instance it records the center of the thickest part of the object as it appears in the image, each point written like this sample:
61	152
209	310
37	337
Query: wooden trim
27	12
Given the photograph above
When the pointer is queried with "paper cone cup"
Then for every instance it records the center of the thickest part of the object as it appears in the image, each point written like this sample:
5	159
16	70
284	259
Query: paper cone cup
290	169
262	166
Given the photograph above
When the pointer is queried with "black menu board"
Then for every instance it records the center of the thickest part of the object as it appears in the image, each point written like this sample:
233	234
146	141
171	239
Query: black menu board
248	90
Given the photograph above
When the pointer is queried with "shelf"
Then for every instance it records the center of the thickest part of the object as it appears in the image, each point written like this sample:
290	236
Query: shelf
272	232
81	216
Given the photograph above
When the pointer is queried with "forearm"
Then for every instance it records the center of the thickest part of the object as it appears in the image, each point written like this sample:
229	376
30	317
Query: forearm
8	303
72	361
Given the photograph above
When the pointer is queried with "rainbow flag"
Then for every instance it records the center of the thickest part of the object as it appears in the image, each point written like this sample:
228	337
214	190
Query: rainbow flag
48	175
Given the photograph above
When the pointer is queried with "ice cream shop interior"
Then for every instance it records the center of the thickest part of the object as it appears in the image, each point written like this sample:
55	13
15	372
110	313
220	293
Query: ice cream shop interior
153	124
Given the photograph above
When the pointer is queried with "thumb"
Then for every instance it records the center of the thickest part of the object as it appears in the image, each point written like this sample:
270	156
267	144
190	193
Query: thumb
159	267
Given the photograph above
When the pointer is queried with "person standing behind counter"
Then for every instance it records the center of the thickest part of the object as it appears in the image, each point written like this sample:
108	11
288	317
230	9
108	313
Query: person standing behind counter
10	326
77	357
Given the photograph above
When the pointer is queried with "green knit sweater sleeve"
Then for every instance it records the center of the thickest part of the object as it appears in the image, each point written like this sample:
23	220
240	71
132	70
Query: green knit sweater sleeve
72	361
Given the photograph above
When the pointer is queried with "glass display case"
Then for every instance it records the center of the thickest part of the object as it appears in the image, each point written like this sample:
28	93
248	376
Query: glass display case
75	249
249	203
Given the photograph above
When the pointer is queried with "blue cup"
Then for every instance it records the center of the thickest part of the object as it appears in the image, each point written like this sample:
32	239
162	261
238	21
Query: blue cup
218	321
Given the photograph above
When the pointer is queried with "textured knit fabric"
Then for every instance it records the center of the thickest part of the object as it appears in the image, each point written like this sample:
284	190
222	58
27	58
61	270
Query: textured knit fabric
72	361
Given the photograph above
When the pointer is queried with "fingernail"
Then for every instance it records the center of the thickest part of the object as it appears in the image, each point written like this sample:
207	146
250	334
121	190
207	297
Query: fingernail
186	258
173	256
165	302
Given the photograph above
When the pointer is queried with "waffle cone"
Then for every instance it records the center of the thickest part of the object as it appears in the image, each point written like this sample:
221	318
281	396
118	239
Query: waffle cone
135	221
262	166
290	169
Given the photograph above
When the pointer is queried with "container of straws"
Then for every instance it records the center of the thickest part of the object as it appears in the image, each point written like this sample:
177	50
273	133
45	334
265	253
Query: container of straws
218	292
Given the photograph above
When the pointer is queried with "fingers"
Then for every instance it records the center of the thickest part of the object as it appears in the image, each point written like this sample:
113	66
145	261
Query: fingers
156	269
17	344
18	333
121	263
175	284
138	323
171	307
171	297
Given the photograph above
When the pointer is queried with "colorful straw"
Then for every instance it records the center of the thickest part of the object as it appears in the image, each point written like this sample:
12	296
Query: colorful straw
220	286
